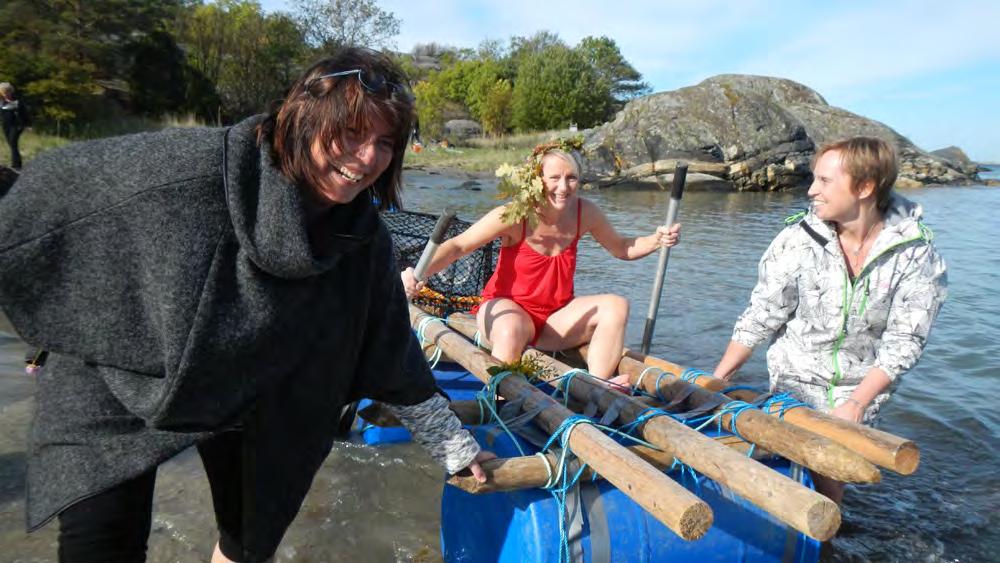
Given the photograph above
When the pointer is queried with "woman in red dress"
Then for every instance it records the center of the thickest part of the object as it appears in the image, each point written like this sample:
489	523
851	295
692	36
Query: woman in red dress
530	299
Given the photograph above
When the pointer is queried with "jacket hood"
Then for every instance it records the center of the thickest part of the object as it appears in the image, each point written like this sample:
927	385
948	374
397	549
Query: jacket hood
269	212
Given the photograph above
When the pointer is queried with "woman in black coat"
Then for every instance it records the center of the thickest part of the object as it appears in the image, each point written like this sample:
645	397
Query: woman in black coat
228	288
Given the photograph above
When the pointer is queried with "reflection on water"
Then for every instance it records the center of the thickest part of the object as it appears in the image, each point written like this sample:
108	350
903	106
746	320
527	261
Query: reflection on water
382	504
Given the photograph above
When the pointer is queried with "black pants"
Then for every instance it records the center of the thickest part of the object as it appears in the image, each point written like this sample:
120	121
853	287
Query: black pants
114	525
13	134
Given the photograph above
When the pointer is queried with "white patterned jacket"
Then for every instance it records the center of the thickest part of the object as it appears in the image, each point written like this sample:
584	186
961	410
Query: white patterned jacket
828	330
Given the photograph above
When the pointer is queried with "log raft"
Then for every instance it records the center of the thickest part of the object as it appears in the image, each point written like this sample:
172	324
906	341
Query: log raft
677	508
881	448
799	507
811	450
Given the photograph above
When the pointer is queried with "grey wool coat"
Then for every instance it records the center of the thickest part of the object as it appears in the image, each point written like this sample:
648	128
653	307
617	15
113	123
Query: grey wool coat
172	278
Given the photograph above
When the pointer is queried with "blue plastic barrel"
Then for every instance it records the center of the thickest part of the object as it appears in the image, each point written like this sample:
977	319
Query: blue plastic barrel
523	526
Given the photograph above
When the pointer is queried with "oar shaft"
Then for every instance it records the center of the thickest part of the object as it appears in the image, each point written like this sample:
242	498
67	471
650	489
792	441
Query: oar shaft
437	237
680	175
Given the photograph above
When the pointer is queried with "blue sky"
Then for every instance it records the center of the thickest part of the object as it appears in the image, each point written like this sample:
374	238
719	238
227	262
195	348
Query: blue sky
930	70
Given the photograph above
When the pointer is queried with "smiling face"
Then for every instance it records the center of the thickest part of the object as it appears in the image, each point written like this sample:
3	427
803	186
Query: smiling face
348	170
832	191
561	179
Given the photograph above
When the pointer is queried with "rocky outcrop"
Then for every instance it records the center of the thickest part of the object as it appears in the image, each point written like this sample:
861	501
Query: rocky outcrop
959	159
739	132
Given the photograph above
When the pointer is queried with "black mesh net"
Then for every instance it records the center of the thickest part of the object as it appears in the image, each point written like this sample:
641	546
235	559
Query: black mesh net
454	289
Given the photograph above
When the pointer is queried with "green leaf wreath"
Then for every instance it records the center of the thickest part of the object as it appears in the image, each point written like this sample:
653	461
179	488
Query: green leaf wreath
523	186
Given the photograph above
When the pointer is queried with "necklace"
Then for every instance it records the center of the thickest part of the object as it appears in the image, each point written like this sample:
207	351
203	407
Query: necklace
857	250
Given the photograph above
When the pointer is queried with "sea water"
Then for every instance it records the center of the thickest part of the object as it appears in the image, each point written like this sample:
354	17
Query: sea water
382	504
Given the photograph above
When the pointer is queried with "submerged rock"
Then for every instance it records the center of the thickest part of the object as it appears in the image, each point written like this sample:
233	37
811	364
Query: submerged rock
743	132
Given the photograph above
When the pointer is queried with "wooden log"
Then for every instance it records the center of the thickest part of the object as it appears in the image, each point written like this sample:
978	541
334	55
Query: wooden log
684	513
530	472
468	412
795	443
881	448
799	507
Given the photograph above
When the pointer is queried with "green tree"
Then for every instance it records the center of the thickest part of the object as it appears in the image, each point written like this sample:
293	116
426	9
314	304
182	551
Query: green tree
615	74
431	107
495	112
330	24
249	56
482	79
71	56
556	87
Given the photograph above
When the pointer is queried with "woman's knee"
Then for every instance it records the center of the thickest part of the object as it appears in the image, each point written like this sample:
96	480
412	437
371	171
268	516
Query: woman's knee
614	309
512	332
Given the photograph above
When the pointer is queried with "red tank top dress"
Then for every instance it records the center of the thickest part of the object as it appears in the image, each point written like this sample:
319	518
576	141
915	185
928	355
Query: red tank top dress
540	284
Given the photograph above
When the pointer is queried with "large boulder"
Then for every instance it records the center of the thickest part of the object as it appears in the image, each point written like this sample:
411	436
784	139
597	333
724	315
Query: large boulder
742	132
459	129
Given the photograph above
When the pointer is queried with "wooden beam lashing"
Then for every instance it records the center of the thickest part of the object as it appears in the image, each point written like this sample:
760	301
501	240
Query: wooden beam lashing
881	448
801	508
795	443
677	508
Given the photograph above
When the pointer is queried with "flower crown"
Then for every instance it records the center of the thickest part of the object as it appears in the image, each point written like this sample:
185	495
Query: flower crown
523	185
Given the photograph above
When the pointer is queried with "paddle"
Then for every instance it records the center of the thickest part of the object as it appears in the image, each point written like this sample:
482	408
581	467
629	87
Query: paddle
680	174
437	237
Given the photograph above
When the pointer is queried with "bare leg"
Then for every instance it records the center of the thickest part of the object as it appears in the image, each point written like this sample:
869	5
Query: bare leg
508	328
218	557
597	319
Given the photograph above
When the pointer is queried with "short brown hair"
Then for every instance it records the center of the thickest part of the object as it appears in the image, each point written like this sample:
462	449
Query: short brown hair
863	159
327	108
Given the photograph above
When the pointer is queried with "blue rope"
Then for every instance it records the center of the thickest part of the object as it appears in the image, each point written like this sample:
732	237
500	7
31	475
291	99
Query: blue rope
691	374
562	383
783	402
734	408
658	379
421	327
487	398
741	388
563	481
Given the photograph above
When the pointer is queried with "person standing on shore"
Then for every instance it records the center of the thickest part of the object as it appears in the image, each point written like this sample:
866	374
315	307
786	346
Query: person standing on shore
530	299
15	119
225	288
847	293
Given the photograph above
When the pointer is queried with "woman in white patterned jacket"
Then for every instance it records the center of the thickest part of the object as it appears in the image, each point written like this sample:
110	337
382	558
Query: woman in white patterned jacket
848	293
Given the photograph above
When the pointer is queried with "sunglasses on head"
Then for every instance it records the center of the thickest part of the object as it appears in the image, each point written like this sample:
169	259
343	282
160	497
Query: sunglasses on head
372	81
